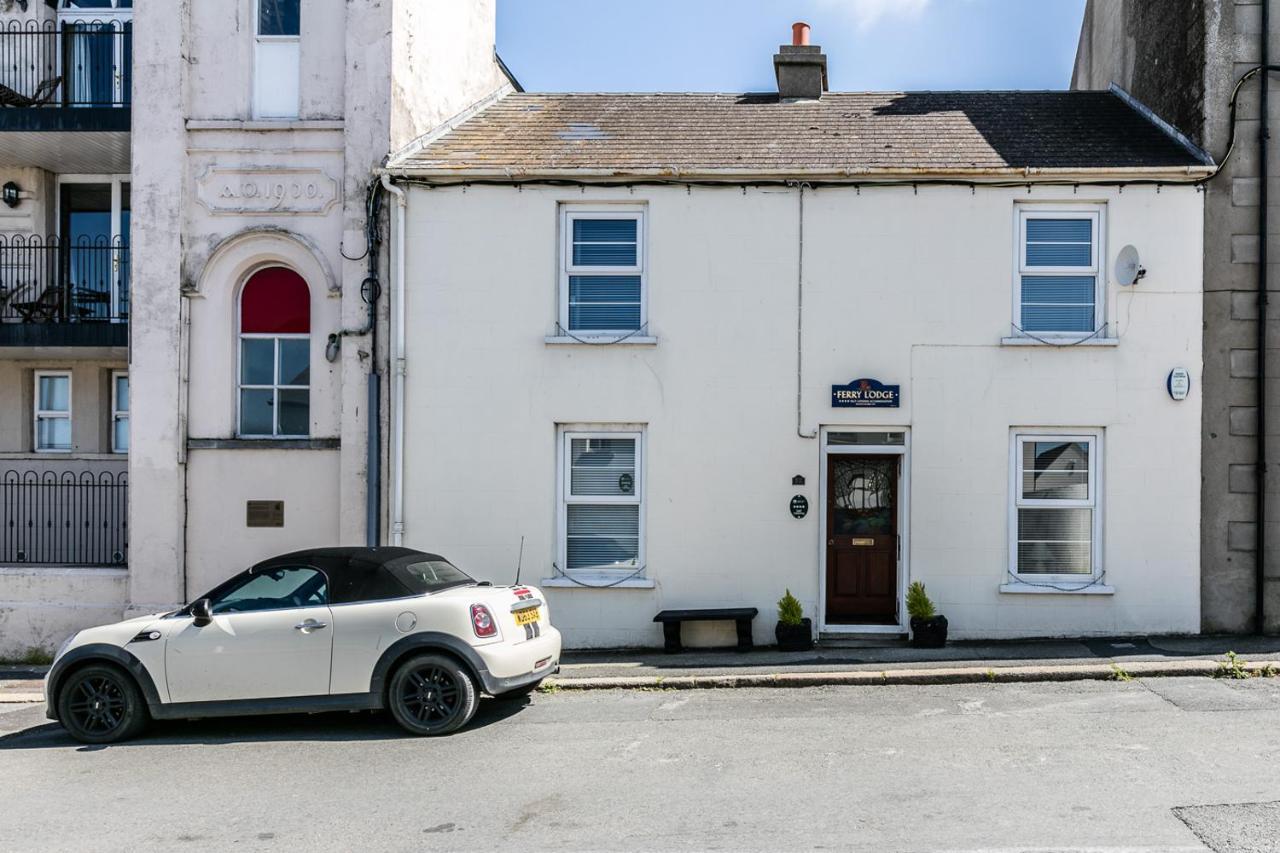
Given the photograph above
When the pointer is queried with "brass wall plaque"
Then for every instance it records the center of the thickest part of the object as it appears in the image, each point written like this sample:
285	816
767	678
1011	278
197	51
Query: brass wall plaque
264	513
863	542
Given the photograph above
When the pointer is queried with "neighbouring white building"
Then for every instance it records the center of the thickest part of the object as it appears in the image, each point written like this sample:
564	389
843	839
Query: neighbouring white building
207	362
697	349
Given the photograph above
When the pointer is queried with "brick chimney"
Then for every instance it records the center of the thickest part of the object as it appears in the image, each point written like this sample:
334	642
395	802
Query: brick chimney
801	68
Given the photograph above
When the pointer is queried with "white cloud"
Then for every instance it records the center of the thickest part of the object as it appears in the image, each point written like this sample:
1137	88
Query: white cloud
867	13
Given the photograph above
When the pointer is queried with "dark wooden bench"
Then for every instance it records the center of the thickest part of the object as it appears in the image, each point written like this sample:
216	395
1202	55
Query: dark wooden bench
671	620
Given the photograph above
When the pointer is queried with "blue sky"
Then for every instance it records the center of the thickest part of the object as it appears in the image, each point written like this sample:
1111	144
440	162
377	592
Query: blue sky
727	45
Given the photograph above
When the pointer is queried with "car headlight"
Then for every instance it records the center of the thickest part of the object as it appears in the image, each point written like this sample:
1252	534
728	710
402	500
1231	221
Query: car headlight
65	645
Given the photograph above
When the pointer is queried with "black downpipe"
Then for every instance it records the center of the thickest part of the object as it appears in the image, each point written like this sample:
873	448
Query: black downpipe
1264	136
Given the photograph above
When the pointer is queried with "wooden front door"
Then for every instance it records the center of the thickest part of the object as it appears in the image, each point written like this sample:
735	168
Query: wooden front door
862	539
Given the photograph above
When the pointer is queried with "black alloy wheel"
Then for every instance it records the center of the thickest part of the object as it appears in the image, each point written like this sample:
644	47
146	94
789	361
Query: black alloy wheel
101	704
432	695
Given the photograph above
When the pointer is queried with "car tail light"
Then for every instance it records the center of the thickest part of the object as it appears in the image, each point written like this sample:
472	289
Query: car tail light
482	621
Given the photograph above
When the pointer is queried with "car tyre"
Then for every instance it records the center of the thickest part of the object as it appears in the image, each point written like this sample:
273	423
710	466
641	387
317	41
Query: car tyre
101	703
432	694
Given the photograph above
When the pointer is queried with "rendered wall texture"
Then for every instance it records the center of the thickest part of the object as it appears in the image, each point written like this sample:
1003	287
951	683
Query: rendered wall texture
717	393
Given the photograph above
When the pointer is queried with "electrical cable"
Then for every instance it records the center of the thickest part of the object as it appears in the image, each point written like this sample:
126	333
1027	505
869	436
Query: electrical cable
562	573
562	332
1022	581
1075	342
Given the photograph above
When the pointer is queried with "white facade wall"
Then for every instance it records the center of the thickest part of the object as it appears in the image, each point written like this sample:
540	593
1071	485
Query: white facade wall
911	288
219	193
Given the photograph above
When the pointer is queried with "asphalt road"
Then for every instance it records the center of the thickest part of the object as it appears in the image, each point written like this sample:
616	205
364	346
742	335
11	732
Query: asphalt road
1088	766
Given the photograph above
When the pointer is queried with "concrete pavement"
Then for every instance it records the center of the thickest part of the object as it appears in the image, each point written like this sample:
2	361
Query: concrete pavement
1029	660
1097	766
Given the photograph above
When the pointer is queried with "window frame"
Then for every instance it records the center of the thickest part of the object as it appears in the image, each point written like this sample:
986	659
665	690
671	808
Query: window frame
564	498
1093	437
257	25
568	214
1096	214
64	6
118	414
259	84
52	414
275	387
248	576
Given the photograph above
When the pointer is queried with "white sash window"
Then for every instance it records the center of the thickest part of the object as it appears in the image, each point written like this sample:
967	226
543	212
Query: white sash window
1056	518
601	518
1061	287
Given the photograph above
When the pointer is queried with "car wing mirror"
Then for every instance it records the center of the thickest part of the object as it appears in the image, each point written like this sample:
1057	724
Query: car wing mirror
201	612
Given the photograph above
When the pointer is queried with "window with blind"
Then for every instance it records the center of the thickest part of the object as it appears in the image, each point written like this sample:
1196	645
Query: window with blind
602	506
602	280
1056	520
1060	281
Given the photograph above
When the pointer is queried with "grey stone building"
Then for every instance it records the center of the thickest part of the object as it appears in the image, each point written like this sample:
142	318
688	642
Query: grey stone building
1183	58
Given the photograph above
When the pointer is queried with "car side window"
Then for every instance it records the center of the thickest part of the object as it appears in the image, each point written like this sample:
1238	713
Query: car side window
274	589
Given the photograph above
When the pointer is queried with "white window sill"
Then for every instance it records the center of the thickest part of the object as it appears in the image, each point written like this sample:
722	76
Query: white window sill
1018	587
596	582
601	340
1059	341
265	124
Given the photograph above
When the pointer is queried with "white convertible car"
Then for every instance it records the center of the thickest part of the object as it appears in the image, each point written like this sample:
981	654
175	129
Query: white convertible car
319	630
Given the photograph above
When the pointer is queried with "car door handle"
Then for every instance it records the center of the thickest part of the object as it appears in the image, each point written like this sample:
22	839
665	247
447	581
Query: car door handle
308	625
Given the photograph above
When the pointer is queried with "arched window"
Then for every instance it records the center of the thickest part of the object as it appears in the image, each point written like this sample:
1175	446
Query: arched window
275	355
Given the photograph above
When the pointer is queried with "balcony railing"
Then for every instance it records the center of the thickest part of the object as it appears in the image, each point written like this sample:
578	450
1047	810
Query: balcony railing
52	518
47	280
68	64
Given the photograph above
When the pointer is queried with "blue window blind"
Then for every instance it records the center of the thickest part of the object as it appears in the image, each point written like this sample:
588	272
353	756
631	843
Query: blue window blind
1059	301
1053	303
605	301
1059	242
604	242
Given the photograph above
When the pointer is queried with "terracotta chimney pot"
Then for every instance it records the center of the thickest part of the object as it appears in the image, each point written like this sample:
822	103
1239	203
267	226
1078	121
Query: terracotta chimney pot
799	33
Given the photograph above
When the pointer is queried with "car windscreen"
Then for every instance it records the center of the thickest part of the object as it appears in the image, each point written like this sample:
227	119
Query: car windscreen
423	575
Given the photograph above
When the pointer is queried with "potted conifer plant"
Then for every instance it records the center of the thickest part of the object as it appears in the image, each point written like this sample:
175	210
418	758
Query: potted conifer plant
794	631
928	627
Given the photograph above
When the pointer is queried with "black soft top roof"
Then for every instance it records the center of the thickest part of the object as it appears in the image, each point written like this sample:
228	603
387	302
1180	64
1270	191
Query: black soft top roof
354	573
354	559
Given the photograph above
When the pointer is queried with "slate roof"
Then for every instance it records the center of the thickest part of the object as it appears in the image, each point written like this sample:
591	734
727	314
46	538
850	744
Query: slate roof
843	133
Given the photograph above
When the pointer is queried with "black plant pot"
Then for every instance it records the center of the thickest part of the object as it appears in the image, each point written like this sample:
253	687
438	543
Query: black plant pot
929	633
794	638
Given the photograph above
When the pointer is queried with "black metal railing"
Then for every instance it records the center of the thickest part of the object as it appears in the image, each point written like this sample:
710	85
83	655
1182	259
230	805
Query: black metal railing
66	64
47	280
65	518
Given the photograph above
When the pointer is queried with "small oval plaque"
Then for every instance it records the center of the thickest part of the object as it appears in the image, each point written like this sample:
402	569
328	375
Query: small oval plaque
1179	383
799	506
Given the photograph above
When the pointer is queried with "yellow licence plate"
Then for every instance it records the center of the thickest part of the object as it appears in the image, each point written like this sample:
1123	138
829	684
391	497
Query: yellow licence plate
524	617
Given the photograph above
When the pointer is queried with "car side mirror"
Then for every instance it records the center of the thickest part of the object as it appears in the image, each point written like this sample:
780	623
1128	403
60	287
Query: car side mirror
201	612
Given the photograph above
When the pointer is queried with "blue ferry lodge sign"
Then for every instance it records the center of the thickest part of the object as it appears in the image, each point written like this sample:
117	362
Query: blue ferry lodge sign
865	394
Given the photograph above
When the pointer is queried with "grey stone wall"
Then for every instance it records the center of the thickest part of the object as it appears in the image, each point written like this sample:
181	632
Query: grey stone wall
1154	50
1182	58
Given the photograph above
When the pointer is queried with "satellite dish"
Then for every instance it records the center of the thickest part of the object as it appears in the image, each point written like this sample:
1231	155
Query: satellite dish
1128	269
